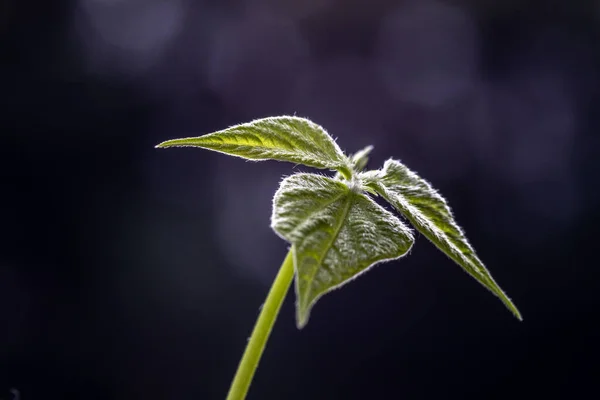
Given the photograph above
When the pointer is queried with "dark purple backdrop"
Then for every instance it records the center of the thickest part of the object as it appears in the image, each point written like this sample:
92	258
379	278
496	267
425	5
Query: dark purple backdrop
132	273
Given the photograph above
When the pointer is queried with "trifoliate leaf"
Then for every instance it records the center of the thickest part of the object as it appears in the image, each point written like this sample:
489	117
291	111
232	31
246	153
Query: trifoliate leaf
286	138
336	231
427	210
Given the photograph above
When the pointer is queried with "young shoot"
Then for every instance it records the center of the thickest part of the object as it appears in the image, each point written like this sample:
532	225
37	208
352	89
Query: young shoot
335	229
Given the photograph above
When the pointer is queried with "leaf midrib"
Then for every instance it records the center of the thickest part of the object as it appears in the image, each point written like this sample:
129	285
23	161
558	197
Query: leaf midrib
411	209
302	154
456	255
337	230
311	214
291	146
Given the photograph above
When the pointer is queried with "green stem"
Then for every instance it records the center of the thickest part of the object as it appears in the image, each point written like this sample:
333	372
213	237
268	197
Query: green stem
262	330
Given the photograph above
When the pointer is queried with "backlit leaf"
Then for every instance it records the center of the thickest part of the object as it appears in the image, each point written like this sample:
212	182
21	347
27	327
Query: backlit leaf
286	138
428	212
336	231
361	158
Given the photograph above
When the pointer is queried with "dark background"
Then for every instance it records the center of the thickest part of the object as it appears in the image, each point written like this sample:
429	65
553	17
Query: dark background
133	273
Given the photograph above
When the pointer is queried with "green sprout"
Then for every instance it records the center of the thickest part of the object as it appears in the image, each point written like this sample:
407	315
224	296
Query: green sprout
335	229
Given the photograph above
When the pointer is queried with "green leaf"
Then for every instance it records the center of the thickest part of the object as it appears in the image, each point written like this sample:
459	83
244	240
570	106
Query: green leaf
360	159
336	231
428	212
285	138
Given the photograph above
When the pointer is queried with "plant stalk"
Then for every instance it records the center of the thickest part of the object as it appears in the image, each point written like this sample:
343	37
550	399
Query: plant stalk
262	330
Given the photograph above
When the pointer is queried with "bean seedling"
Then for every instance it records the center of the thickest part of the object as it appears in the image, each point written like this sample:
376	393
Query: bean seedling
335	228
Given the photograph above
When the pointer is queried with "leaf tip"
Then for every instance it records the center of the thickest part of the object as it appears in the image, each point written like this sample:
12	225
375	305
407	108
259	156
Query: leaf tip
303	309
182	142
301	323
511	306
162	145
517	314
302	314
